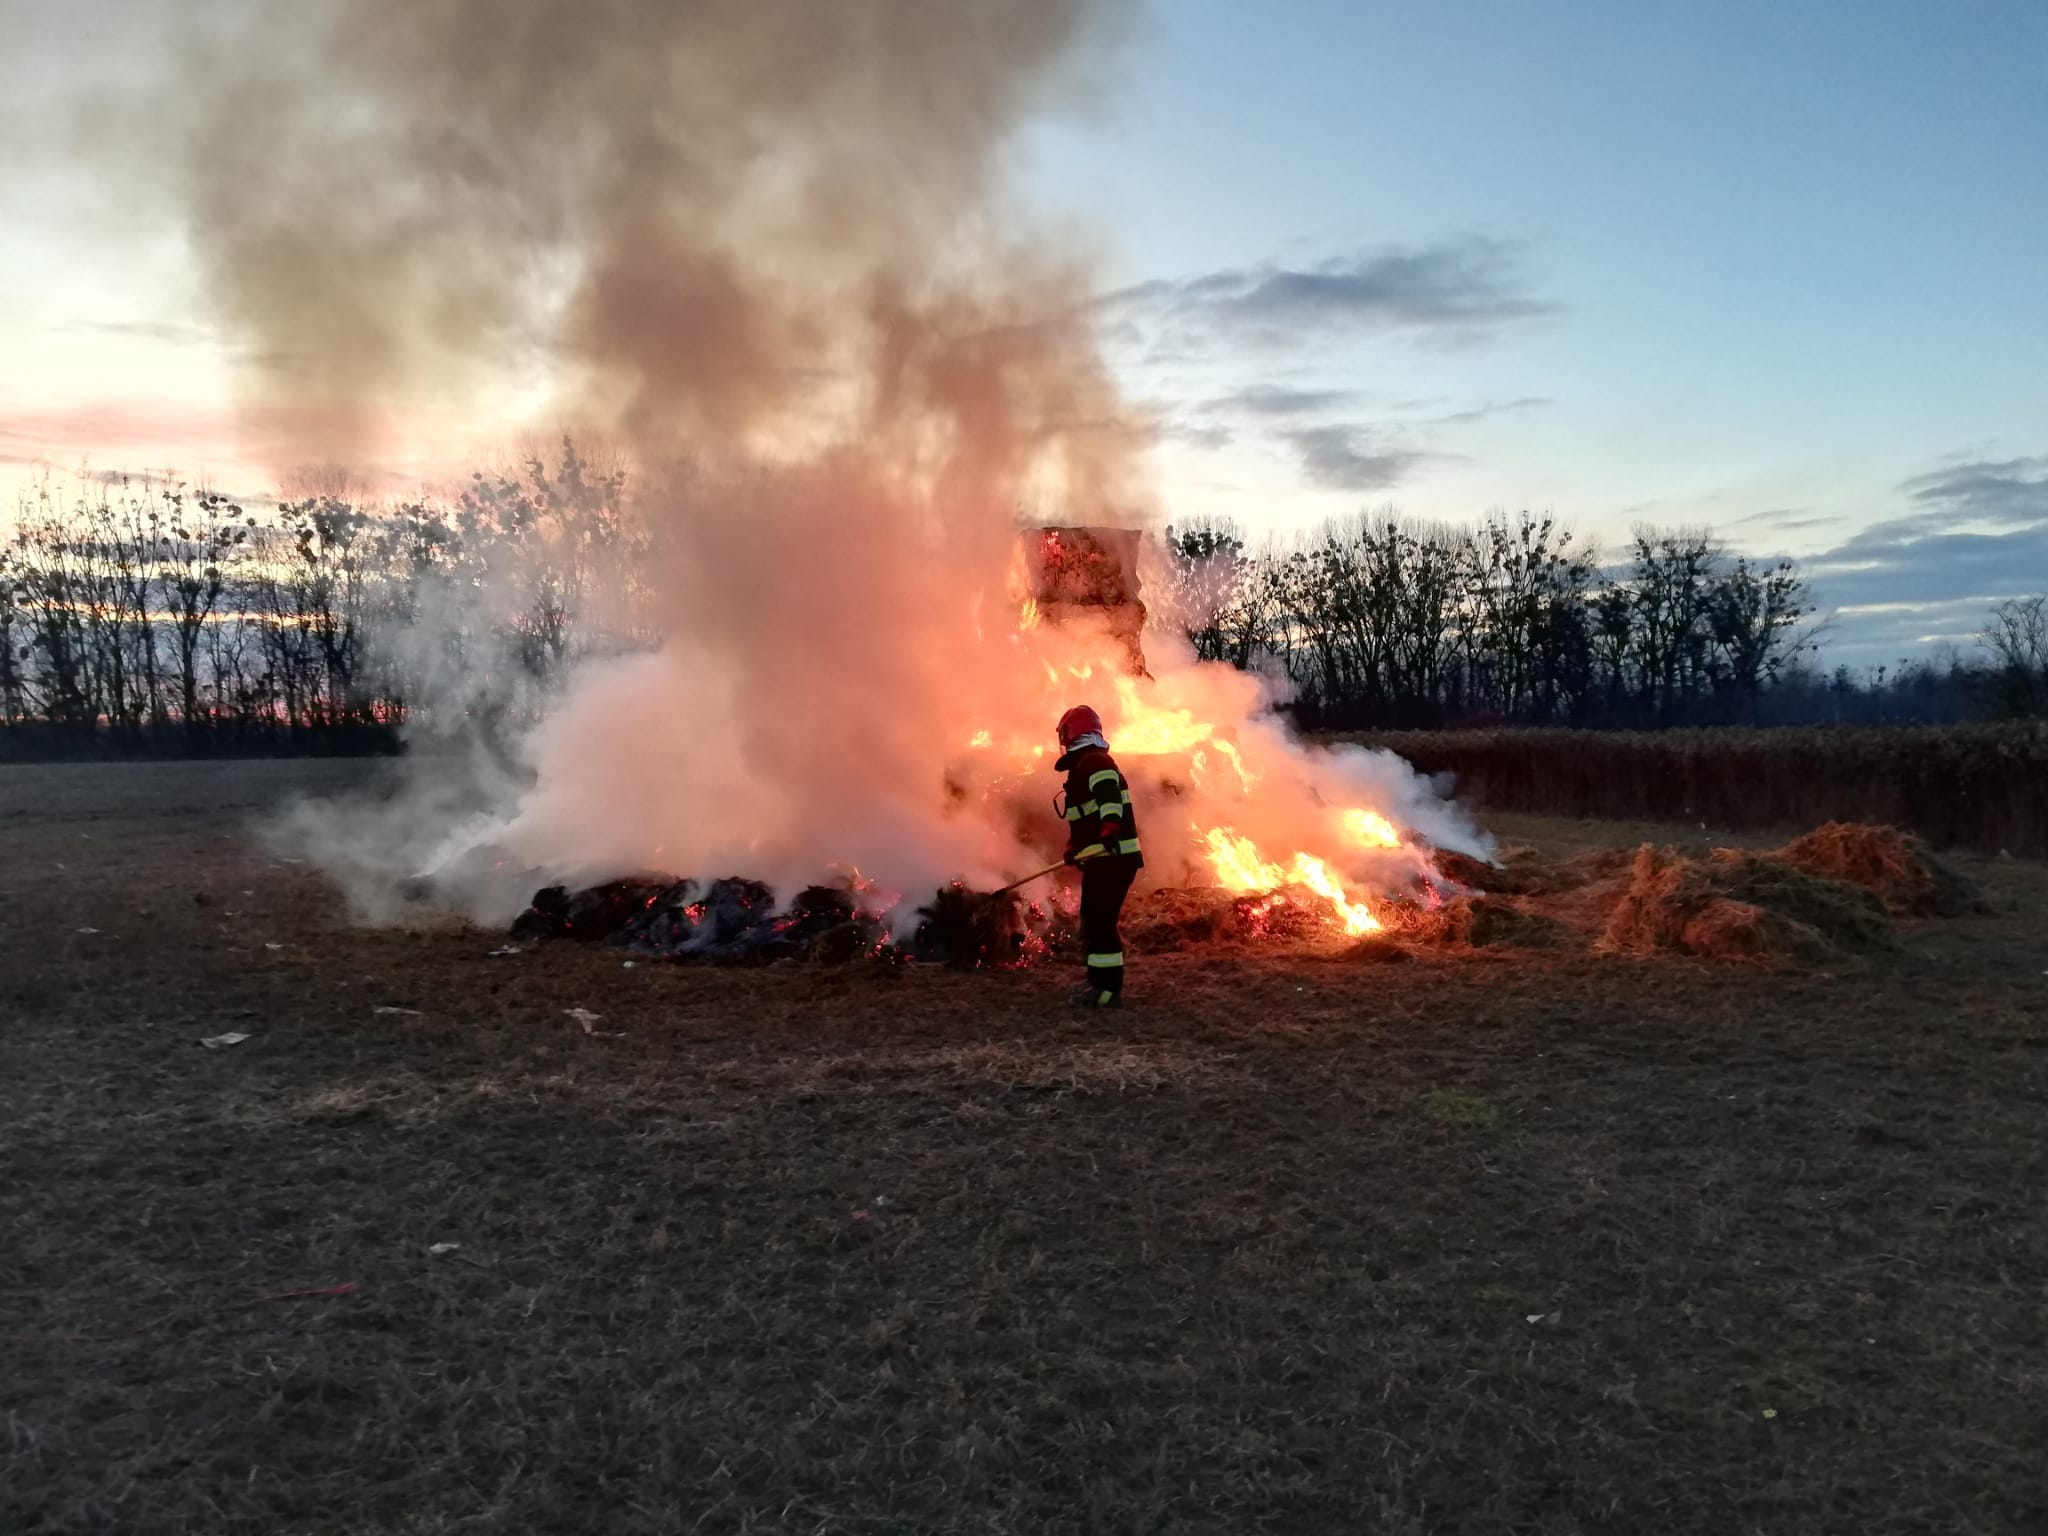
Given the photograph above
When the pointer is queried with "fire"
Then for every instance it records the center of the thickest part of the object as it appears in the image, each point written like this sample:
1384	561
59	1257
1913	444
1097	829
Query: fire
1240	866
1245	777
1370	828
1315	874
1219	783
1141	724
1151	730
1259	914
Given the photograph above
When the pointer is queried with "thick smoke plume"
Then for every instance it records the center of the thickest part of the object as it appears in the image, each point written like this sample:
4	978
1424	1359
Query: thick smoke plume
733	225
768	241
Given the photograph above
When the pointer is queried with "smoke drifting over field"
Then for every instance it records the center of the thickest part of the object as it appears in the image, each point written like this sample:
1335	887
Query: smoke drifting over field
770	240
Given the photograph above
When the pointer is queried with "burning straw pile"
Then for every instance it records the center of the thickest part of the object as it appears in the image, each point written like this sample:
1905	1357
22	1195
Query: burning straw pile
1828	895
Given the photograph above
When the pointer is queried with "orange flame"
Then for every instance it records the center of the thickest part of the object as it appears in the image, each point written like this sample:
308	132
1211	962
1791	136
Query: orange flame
1240	866
1145	719
1370	828
1152	730
1245	777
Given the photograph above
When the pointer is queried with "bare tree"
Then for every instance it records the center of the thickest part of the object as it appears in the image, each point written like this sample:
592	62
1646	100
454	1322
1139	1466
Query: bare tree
196	545
1204	574
14	649
1527	593
1670	585
124	529
1753	614
550	538
53	592
2016	636
1429	565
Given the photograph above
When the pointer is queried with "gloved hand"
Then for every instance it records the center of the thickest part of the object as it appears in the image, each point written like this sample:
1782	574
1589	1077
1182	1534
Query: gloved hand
1071	859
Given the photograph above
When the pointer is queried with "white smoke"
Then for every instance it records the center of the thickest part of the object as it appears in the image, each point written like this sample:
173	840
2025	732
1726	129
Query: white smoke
771	237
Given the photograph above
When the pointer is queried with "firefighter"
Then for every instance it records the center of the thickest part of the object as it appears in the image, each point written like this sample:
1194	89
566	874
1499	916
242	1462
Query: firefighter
1102	842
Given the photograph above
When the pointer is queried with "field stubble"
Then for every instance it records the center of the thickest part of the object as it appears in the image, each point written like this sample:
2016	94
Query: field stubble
1497	1240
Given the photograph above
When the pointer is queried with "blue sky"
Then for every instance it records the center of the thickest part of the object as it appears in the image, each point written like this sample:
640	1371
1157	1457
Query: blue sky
1779	269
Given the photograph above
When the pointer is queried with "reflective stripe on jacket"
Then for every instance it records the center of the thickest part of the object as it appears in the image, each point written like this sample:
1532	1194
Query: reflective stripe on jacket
1101	821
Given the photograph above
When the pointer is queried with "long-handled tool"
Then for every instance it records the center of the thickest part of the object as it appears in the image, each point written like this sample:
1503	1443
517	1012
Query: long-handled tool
1039	875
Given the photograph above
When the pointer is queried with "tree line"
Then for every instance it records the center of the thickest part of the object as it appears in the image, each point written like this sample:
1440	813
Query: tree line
1376	623
152	616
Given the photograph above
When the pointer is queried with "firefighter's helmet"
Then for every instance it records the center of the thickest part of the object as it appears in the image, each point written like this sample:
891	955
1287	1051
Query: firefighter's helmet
1078	722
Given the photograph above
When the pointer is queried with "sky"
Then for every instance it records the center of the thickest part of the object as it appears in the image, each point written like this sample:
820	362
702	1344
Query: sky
1778	269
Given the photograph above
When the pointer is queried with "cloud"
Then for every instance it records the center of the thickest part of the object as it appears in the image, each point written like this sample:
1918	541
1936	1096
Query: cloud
1199	435
1966	494
1347	458
1878	566
1337	455
1978	535
1894	589
1886	634
2000	491
1473	415
1775	522
1461	289
1281	400
1287	400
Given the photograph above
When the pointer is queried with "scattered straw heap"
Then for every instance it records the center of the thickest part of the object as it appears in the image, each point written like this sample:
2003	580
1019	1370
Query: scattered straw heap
1829	894
1734	906
1893	866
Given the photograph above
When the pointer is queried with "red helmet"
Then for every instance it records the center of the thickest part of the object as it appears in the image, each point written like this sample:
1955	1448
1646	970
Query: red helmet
1078	722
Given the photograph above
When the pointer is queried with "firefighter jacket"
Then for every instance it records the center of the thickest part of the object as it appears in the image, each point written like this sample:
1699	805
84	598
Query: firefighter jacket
1101	822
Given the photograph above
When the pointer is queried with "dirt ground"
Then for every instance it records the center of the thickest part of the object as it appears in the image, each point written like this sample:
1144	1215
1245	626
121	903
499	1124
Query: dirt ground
1488	1241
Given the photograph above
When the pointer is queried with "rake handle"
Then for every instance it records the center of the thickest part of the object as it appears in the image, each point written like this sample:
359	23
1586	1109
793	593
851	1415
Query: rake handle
1005	890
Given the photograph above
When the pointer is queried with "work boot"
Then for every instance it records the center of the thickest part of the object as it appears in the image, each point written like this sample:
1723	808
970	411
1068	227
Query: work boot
1095	997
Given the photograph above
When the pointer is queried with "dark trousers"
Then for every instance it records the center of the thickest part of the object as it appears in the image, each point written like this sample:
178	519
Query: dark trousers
1104	885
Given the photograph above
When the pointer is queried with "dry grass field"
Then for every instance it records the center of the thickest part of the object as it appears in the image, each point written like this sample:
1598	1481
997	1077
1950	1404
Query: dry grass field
1490	1241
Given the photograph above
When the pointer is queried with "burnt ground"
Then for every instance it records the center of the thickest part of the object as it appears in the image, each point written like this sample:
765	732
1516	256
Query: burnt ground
1482	1242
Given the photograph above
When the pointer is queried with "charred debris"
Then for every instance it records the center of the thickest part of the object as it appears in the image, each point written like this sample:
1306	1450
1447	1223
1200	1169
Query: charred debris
739	921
